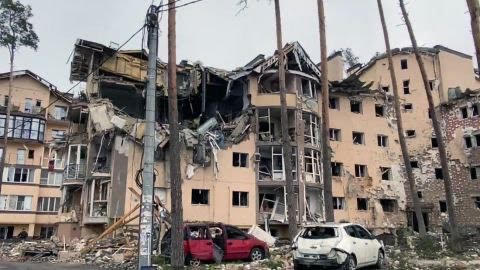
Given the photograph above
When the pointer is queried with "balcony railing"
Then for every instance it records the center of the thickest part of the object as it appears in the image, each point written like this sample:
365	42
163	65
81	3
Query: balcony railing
75	171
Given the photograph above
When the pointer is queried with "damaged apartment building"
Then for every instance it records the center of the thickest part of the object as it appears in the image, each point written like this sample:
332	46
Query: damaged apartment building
451	76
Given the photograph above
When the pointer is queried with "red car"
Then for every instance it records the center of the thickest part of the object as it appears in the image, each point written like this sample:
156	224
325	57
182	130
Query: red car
207	242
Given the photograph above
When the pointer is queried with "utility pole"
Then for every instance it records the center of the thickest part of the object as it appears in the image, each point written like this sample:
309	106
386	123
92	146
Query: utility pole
474	9
146	209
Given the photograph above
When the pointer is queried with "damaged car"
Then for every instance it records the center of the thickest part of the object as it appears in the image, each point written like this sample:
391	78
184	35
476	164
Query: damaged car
337	246
216	242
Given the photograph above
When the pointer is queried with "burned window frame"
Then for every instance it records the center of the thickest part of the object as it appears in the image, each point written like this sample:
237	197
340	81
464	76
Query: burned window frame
202	200
239	160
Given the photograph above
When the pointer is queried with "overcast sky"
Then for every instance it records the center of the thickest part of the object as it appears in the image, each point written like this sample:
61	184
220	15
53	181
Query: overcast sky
211	31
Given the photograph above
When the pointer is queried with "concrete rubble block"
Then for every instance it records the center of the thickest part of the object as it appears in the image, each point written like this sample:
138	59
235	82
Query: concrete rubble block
65	255
262	235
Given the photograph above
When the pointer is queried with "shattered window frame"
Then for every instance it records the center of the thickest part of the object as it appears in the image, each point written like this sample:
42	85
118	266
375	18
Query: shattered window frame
379	110
338	203
312	128
240	160
240	198
200	196
386	173
356	107
264	117
334	103
414	164
382	140
406	87
312	165
410	133
388	205
361	171
311	88
335	134
358	138
362	204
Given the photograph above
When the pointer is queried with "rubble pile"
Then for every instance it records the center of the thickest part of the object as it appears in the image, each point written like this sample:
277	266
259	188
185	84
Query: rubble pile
33	251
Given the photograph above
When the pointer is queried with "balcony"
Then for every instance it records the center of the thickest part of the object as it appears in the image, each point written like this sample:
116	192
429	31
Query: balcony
24	128
74	174
22	159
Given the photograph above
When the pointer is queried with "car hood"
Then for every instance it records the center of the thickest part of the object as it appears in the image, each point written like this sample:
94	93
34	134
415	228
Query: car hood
317	246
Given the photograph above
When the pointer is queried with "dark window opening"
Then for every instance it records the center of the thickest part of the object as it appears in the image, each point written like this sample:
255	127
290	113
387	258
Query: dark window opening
335	134
430	83
38	103
410	133
47	232
477	202
408	106
336	168
404	63
358	138
386	173
474	173
388	205
240	198
338	203
438	173
434	142
475	109
360	170
443	206
334	103
420	194
240	160
5	101
429	114
477	139
362	204
355	106
379	110
406	87
382	140
464	112
200	196
31	154
468	142
385	88
414	164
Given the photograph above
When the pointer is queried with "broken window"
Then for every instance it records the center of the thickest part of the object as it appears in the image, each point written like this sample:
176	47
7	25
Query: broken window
477	202
468	142
434	142
429	114
406	87
337	168
388	205
200	196
47	232
475	172
358	137
271	163
386	173
265	127
414	164
419	194
355	106
379	110
443	206
408	106
240	160
269	124
311	130
404	64
267	202
360	170
335	134
477	140
385	88
338	203
308	88
312	166
382	140
240	198
438	173
334	103
464	112
362	204
31	154
475	109
410	133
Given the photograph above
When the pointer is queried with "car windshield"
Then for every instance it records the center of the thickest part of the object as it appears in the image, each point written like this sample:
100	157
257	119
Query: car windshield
320	233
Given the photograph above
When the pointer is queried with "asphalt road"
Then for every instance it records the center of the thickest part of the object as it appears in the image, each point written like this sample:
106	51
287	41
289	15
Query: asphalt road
44	266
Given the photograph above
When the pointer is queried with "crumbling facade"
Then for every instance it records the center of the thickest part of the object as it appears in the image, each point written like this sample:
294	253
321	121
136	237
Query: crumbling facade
450	74
34	156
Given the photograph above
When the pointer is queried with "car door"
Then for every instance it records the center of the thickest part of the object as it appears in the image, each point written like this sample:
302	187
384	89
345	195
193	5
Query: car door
238	244
370	247
200	243
357	244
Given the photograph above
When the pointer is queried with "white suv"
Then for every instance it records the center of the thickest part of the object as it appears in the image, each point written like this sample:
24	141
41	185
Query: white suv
333	245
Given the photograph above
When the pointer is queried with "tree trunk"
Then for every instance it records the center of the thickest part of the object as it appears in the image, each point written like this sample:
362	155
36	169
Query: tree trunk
401	134
436	126
474	9
287	148
175	173
326	155
7	120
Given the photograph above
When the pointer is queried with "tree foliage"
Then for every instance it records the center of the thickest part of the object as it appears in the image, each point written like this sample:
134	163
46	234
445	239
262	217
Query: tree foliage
350	57
15	29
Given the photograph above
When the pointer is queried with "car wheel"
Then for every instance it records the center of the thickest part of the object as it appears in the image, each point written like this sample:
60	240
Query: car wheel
381	260
256	254
350	264
192	261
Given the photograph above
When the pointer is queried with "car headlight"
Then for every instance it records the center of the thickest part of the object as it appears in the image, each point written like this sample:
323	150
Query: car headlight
332	254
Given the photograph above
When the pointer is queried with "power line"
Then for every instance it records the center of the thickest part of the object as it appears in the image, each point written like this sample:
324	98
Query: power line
179	6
